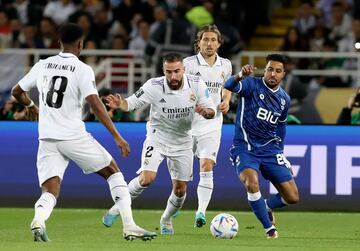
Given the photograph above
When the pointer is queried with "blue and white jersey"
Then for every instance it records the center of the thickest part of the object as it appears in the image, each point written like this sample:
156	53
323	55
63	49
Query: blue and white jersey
260	113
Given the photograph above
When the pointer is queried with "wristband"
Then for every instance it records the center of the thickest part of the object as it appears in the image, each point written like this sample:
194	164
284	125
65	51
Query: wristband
31	104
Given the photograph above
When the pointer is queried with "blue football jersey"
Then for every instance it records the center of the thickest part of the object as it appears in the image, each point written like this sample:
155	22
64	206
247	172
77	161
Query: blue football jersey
259	114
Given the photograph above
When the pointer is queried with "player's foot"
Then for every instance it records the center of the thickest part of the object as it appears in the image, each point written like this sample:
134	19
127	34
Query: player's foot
200	219
271	216
166	227
109	219
39	231
136	232
272	234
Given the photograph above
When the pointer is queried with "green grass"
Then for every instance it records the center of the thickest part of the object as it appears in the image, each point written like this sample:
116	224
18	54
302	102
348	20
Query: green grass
81	229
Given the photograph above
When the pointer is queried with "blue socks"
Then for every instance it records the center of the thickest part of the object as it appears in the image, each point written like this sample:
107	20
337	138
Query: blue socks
275	201
258	206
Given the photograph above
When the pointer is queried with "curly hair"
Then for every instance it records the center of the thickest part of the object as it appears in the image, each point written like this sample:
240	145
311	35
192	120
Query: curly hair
202	30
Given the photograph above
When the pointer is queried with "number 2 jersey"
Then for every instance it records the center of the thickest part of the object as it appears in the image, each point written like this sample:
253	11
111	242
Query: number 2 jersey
172	111
261	115
63	82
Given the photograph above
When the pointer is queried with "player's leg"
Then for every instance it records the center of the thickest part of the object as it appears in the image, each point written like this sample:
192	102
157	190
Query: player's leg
180	167
249	177
51	166
151	158
174	204
275	170
206	148
91	157
204	190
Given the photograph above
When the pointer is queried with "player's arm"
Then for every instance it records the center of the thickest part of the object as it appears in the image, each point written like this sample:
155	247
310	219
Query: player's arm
232	84
225	103
100	112
23	98
205	105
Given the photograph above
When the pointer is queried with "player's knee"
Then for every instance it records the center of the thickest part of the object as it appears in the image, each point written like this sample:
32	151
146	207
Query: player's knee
251	186
207	166
145	181
179	192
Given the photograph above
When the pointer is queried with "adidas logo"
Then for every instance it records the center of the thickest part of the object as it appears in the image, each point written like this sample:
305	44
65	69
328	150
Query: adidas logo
198	74
162	100
117	198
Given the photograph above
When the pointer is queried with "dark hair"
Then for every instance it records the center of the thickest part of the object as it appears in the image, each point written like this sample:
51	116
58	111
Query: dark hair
207	28
172	57
277	57
70	32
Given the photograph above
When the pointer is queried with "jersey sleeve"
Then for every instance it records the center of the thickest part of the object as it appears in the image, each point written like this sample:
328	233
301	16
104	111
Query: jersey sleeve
29	80
204	98
144	95
87	82
228	71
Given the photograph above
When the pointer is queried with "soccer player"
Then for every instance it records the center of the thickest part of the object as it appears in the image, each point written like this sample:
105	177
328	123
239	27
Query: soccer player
259	139
214	70
174	99
63	82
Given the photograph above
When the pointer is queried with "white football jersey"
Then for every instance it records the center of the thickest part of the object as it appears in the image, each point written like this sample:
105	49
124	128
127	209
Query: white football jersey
214	77
63	82
172	111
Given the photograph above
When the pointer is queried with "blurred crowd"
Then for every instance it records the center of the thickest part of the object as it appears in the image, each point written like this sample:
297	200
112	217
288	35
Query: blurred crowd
320	26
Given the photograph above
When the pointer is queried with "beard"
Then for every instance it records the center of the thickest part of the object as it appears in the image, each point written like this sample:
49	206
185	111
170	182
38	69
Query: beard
174	84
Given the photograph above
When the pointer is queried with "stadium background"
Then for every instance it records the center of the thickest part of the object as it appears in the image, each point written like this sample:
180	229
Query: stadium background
327	155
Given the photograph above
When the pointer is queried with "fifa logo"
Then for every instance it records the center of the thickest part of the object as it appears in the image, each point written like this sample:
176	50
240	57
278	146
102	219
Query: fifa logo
268	116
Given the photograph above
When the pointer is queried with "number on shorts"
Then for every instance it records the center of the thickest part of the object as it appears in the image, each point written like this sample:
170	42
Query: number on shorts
280	158
148	153
59	93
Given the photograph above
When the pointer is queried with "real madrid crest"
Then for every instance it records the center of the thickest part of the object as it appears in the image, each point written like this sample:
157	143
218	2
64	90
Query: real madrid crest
223	75
192	97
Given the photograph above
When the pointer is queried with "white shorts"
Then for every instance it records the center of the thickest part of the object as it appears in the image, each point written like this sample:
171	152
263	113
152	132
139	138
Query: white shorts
54	156
179	162
206	146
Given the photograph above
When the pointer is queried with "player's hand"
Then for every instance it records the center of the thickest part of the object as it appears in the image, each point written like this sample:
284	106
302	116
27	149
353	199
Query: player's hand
247	70
123	145
288	164
204	112
32	113
114	101
224	107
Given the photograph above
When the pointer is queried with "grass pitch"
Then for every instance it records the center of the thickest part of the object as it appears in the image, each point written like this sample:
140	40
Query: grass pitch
81	229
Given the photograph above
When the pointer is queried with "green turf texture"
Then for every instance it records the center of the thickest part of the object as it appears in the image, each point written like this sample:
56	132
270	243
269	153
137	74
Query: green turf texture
81	229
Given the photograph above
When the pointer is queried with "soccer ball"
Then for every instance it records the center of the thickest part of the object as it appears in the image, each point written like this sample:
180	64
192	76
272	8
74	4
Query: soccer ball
224	226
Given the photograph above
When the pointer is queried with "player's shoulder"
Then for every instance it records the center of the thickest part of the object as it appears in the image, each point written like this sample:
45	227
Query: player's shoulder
225	61
191	59
192	79
284	94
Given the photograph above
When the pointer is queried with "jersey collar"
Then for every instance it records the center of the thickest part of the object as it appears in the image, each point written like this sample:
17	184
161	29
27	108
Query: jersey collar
67	55
184	87
202	61
263	80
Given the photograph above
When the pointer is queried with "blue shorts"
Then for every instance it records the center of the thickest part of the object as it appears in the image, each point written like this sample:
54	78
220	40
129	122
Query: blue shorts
268	166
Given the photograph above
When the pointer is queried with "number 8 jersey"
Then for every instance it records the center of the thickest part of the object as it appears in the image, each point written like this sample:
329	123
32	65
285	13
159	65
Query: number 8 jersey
63	82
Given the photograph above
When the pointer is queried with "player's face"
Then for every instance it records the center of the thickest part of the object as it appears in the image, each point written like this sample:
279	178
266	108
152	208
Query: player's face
174	72
274	74
209	44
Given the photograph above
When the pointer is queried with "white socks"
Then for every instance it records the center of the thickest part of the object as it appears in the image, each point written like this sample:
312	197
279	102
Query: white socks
174	203
44	206
204	190
120	194
135	188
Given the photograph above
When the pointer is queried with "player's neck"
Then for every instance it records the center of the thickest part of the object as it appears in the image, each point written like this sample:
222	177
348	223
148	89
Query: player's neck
210	59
